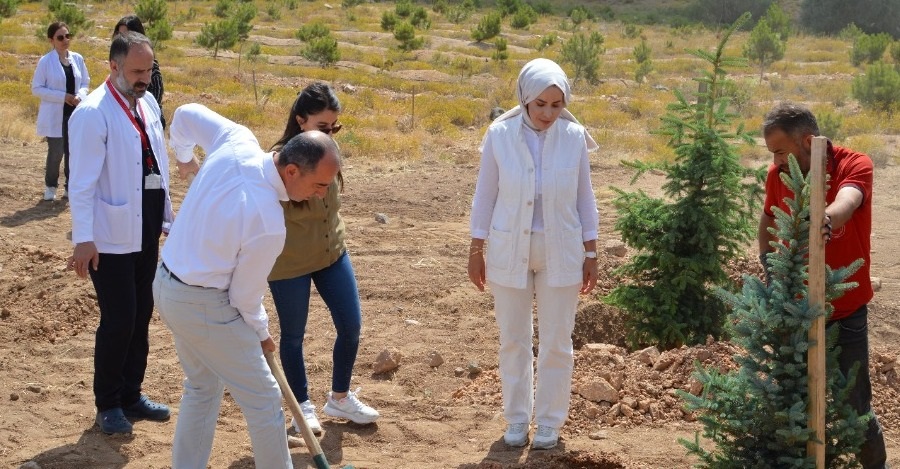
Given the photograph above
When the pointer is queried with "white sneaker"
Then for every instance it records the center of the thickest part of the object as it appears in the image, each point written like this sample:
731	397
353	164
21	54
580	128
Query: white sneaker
49	193
309	414
545	437
350	408
516	434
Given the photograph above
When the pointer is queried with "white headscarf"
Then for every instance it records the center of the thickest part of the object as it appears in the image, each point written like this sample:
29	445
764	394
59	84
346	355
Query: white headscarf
535	77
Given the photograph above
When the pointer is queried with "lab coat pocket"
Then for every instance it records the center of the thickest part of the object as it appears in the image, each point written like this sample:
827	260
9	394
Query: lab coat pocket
500	249
112	223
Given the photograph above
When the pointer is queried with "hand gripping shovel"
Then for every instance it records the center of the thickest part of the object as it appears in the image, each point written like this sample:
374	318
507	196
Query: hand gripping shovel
308	437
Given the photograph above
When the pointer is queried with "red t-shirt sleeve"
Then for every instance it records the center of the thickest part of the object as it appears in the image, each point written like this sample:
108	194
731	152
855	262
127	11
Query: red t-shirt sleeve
773	190
857	171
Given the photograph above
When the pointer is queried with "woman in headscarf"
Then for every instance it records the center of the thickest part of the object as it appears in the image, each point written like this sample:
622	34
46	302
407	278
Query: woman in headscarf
534	235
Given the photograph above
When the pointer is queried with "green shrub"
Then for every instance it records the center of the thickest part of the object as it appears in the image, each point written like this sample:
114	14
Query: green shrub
419	18
222	8
388	20
583	52
869	48
440	6
322	50
632	31
403	8
850	32
70	14
895	53
312	30
878	88
500	52
547	41
487	28
524	17
405	32
830	125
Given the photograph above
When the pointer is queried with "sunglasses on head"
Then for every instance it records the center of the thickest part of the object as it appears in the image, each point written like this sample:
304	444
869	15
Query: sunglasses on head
60	37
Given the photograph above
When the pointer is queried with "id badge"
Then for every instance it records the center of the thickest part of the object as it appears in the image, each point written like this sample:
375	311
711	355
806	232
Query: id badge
153	181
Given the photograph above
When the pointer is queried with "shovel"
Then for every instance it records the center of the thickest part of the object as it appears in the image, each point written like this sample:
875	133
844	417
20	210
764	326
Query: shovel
308	437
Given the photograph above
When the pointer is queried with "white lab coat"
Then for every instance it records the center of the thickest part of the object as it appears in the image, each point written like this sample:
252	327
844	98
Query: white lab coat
49	84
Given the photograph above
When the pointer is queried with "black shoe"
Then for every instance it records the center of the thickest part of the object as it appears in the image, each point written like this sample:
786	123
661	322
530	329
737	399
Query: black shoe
144	408
113	421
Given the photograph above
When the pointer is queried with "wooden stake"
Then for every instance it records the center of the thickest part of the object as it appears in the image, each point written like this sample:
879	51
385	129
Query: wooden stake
816	353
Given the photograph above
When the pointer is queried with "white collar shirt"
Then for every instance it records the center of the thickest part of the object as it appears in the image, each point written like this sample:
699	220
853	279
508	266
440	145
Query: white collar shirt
230	227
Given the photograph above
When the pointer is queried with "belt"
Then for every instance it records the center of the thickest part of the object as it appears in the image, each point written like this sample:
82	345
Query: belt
171	274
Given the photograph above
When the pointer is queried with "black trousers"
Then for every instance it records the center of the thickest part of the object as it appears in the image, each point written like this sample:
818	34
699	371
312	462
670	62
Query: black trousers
124	286
854	342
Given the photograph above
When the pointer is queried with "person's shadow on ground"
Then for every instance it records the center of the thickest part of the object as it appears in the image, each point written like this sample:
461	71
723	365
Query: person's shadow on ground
93	449
331	443
41	210
500	455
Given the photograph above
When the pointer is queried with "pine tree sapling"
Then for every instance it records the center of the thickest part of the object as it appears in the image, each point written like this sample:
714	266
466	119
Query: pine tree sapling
488	27
764	47
757	415
684	240
583	52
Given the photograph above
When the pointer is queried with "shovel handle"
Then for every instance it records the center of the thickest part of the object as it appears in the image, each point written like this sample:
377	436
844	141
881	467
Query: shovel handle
308	437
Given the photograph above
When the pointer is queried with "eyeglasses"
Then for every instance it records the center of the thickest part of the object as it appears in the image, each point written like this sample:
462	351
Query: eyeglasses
333	130
60	37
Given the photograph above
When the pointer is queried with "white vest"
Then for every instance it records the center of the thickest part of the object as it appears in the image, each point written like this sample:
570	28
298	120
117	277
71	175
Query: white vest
509	237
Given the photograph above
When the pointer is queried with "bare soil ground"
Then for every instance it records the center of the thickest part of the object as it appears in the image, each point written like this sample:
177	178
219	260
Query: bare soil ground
416	299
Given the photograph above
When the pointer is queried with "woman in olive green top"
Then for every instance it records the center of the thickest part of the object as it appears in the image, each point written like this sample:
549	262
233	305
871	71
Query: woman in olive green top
314	252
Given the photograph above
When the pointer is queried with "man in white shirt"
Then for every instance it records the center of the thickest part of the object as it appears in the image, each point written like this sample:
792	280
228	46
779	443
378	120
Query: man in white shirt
119	196
210	285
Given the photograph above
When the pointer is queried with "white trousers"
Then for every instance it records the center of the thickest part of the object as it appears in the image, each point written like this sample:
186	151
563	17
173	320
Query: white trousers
556	320
217	349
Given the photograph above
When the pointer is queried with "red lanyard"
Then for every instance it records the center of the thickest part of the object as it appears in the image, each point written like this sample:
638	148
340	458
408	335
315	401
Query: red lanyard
144	139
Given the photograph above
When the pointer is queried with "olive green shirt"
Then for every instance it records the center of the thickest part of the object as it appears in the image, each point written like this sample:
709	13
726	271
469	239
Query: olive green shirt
315	236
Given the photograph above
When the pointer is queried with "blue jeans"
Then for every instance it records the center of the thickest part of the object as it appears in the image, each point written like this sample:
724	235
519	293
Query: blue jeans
336	285
854	343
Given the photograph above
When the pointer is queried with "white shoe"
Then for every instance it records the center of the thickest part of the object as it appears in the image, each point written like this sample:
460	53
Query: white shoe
309	414
545	437
516	434
49	193
350	408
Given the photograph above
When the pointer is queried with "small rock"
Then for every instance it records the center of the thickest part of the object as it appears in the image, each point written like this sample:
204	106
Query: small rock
614	411
473	368
599	390
696	387
598	435
703	355
35	388
876	283
381	218
614	247
435	359
13	396
648	356
459	371
630	402
626	411
412	322
348	88
592	412
295	442
4	313
605	348
387	360
655	411
665	361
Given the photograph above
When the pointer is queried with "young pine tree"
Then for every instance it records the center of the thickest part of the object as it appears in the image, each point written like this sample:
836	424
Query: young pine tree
684	239
756	415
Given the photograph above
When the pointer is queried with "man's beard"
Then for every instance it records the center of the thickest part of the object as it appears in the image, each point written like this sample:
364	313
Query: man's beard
130	90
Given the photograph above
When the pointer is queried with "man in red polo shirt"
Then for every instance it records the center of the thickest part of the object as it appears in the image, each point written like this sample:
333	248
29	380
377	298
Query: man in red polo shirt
788	130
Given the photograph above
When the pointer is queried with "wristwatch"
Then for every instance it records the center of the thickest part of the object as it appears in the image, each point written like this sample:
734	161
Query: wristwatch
590	254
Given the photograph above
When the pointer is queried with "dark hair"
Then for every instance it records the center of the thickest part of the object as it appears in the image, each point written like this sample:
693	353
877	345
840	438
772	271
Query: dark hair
54	27
793	119
132	23
306	151
314	99
122	44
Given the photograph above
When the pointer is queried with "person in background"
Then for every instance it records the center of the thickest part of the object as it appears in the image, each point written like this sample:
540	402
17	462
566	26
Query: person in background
314	252
788	129
212	278
133	23
535	215
119	197
61	81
